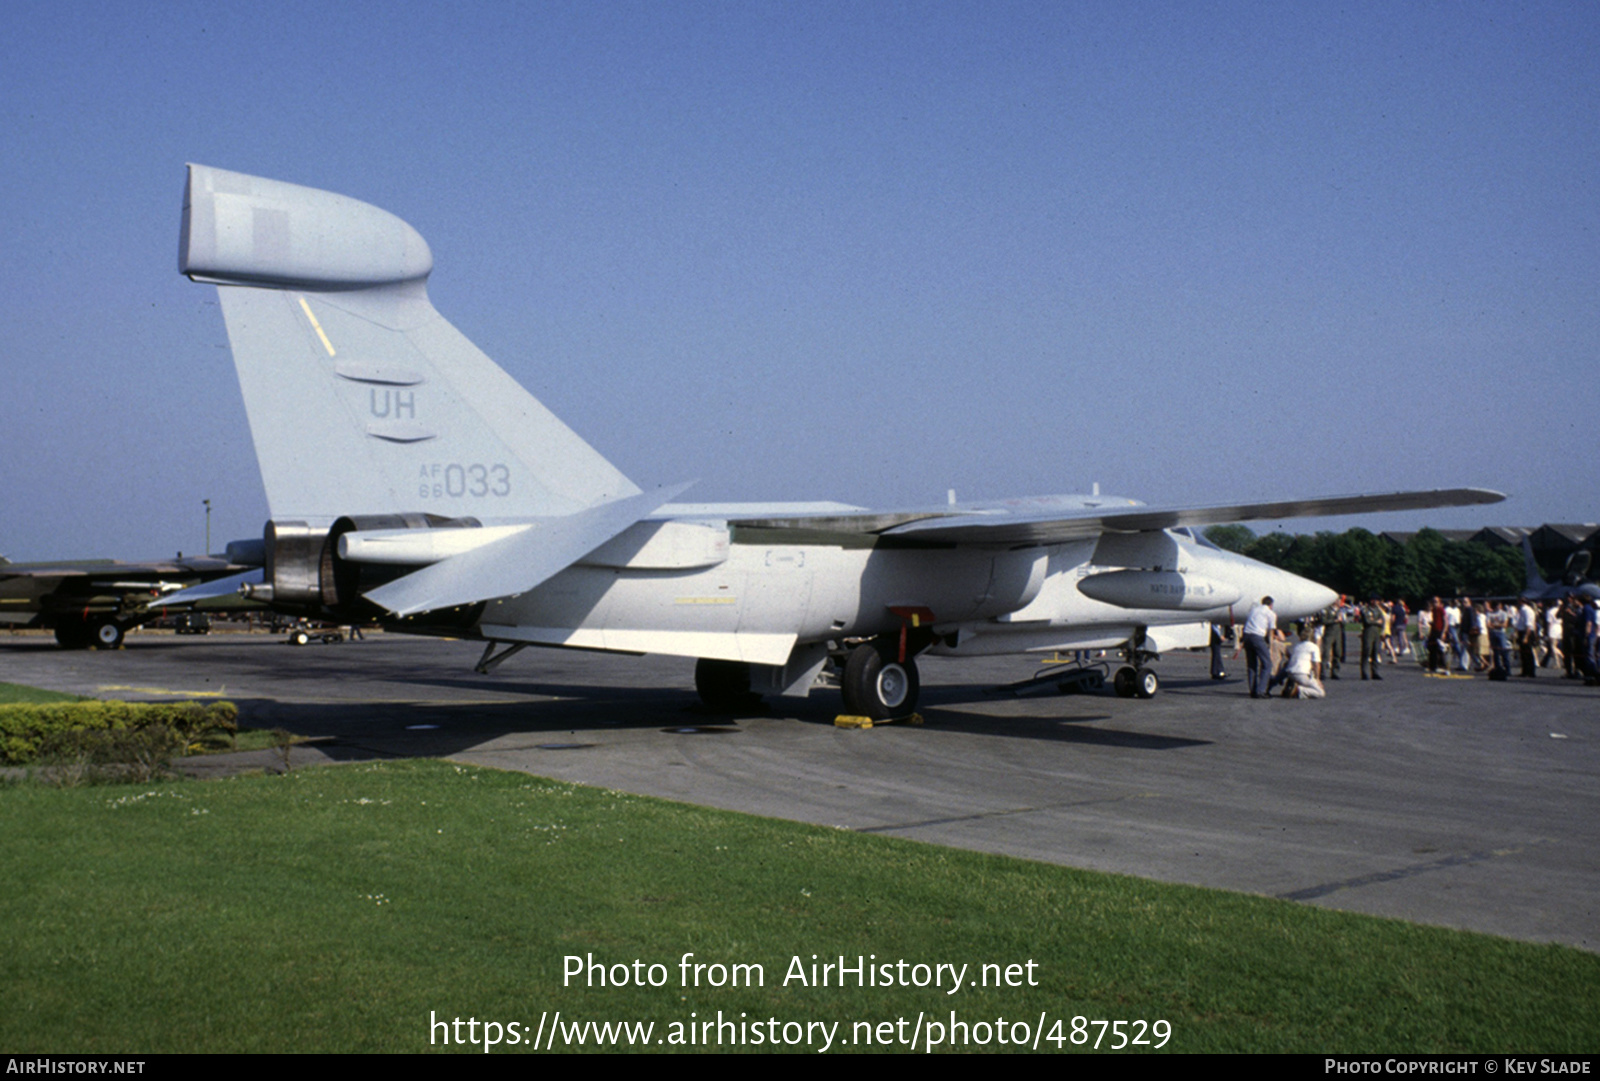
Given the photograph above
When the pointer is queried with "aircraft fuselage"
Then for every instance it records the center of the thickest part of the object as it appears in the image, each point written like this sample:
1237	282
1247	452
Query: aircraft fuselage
766	596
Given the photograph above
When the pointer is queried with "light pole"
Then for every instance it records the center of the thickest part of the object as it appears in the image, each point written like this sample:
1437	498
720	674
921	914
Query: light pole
207	502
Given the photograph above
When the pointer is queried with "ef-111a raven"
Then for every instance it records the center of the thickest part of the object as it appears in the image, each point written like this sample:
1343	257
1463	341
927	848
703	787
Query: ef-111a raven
414	483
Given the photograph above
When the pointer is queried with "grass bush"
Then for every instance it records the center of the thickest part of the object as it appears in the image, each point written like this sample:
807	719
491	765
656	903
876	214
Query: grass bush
30	732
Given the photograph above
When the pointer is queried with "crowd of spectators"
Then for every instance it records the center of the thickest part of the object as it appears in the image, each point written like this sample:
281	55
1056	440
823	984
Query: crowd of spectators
1448	637
1491	636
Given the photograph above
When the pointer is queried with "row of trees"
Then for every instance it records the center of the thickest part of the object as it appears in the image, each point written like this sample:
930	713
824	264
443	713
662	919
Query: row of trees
1362	564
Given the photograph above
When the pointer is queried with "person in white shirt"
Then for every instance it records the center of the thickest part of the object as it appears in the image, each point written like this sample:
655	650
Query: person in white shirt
1552	635
1456	635
1259	626
1301	674
1527	627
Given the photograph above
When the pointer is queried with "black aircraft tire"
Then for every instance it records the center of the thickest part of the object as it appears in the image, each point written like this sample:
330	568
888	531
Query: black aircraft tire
72	634
1125	682
724	686
1146	683
878	685
105	634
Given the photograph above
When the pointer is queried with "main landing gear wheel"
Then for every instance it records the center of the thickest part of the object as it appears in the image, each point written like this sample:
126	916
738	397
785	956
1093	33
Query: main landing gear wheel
73	634
1125	682
724	686
877	684
106	634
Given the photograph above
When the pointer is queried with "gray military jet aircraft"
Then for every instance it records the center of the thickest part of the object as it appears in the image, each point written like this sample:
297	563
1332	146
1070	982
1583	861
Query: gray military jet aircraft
413	482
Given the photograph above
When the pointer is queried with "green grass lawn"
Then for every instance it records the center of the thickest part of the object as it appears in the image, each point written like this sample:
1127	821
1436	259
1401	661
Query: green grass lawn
340	908
16	692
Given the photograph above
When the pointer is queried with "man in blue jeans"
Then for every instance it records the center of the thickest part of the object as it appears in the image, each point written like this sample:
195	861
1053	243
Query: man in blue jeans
1259	626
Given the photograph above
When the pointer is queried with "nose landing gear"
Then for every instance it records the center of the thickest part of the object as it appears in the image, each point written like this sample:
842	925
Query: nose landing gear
1131	682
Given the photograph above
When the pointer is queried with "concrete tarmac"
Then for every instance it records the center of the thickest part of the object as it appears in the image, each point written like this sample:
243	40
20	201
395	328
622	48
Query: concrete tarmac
1455	802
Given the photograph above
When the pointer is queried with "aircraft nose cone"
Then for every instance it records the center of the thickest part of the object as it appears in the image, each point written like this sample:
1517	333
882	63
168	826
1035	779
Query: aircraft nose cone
1298	598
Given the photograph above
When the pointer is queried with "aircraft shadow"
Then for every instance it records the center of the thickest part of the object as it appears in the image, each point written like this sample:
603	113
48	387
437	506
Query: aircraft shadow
350	731
1054	730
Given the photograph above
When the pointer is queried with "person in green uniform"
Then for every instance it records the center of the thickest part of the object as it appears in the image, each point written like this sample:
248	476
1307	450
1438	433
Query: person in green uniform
1373	619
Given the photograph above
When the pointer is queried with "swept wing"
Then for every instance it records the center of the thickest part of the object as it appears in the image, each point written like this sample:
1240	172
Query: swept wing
1058	519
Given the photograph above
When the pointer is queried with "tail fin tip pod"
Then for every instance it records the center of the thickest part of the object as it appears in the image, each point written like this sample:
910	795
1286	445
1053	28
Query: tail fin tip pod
244	230
362	399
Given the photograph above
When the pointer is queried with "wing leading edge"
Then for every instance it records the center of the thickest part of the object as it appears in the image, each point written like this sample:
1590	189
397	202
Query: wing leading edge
1054	521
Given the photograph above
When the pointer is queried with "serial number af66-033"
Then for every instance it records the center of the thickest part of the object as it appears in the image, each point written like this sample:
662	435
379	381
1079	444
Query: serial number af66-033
456	480
444	498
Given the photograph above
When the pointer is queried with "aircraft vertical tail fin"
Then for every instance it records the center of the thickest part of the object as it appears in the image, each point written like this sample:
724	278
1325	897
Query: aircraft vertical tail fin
362	399
1535	579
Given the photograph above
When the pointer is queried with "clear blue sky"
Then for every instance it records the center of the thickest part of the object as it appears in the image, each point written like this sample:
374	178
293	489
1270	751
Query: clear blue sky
864	252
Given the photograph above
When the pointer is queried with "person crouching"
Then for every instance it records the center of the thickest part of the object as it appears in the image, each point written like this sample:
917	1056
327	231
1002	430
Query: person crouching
1300	677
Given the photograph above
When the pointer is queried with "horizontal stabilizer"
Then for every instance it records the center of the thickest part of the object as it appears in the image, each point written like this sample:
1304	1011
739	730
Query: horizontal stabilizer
217	587
517	563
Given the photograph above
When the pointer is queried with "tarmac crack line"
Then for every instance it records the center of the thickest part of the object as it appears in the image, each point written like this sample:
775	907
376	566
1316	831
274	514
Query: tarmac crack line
1463	860
1002	814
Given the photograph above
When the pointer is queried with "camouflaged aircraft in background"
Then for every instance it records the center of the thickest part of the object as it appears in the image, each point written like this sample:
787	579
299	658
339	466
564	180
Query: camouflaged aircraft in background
1574	581
413	482
95	602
